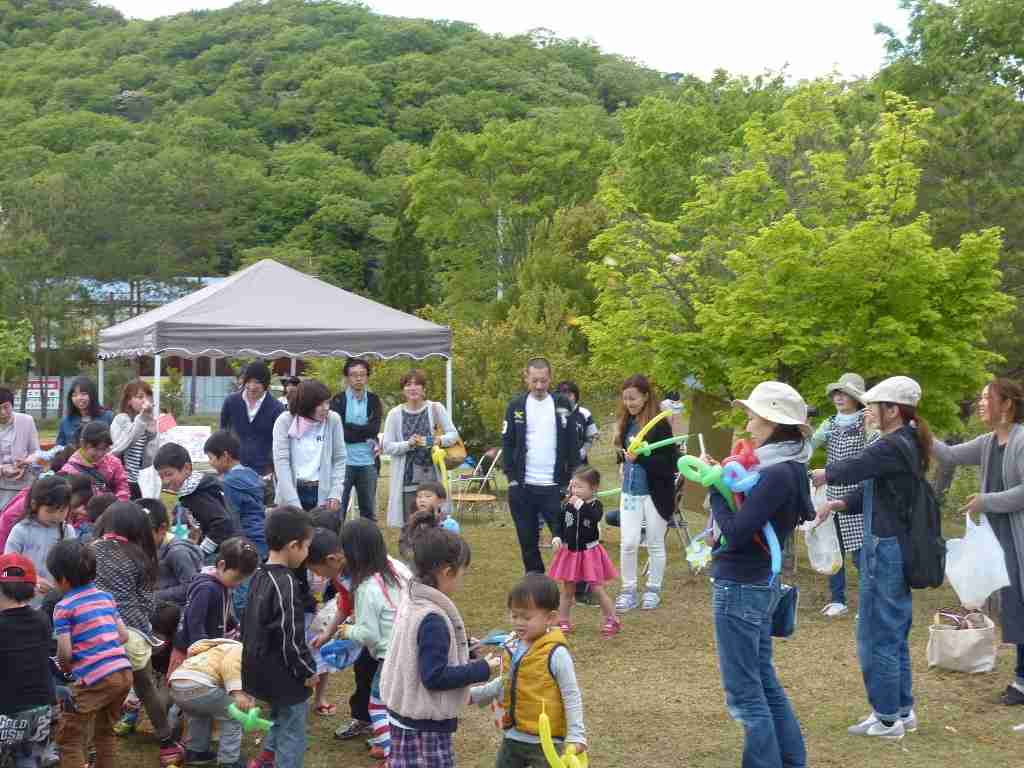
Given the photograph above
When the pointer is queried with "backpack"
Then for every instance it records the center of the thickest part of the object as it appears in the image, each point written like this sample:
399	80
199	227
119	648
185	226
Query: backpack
923	548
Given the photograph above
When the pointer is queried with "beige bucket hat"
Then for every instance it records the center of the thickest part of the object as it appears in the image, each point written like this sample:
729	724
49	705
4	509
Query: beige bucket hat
778	403
849	384
900	390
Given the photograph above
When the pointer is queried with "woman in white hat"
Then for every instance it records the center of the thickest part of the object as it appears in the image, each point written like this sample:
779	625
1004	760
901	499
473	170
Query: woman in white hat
843	435
891	464
745	591
1000	454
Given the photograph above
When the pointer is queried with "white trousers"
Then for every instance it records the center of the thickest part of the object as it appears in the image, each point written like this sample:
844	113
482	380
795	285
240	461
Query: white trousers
638	513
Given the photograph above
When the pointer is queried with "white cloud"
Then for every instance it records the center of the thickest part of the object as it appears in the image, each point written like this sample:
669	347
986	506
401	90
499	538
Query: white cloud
809	37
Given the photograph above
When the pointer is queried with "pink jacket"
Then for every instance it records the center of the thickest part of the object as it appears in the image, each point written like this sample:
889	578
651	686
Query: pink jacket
12	515
109	468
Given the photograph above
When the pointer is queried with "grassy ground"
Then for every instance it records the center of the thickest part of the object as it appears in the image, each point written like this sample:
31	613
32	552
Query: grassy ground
653	698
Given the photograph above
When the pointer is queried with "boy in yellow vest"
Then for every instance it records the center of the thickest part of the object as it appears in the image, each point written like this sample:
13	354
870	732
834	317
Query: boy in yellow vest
542	678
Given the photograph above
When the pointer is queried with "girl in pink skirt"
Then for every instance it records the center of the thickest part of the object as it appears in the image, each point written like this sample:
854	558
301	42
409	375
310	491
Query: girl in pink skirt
579	555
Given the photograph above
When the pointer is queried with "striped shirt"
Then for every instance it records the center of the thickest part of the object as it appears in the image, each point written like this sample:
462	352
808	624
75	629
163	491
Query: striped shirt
89	616
134	455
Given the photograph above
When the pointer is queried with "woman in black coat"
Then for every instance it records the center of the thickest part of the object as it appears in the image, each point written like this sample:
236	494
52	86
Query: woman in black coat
648	493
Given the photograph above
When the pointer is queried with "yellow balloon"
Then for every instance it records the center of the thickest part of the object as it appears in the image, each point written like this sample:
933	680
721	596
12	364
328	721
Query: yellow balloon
638	438
438	455
570	759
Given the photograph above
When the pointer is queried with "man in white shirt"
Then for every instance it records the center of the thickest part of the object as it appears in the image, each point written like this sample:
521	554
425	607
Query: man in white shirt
540	452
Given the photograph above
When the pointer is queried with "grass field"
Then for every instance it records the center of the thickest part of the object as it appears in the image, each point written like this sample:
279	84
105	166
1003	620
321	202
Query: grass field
652	695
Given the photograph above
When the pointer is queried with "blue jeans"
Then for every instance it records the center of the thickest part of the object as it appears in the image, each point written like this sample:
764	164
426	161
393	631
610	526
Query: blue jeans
365	481
753	694
886	611
287	737
309	496
837	581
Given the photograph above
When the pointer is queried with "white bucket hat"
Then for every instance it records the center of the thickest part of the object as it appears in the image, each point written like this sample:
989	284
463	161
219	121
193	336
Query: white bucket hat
900	390
849	384
778	403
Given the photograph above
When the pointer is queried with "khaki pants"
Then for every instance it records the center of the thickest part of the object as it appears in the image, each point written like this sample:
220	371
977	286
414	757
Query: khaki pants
100	703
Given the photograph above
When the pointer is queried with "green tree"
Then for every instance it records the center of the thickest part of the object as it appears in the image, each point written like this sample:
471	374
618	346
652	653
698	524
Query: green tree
805	258
15	338
479	199
963	59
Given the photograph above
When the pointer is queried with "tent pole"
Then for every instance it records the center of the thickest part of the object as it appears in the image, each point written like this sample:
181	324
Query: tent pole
99	372
448	387
293	366
156	385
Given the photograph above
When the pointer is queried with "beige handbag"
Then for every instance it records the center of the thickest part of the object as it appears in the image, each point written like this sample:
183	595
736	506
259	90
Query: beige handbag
968	647
455	453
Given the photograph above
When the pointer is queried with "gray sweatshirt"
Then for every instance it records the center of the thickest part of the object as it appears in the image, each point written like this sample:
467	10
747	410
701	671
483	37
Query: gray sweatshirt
34	541
180	560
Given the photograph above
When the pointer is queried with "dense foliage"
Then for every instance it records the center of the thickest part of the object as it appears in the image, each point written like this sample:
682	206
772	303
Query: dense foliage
536	194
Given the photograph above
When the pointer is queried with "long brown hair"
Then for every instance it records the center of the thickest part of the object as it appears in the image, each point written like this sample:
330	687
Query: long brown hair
640	383
1008	389
131	389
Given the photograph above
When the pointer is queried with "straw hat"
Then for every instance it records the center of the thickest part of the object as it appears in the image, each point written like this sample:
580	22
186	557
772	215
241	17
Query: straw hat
778	403
849	384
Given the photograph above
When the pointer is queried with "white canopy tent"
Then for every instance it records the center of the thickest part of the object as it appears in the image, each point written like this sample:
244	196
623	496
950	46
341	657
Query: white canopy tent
269	310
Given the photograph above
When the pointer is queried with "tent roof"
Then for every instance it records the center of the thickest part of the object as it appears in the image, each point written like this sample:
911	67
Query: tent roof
271	310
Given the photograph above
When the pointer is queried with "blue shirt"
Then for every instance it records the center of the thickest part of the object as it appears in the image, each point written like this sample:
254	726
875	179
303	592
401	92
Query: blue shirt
634	477
359	454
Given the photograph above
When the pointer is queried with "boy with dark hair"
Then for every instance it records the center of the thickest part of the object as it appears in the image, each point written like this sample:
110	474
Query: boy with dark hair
277	665
90	641
243	488
202	495
27	695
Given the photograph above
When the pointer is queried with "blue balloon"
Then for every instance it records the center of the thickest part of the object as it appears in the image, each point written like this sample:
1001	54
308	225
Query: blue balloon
340	654
738	478
451	524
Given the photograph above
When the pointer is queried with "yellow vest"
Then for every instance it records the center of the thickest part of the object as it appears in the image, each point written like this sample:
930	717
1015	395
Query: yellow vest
532	684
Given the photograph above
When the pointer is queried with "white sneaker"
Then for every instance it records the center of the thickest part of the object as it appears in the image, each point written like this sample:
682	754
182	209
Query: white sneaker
894	732
863	726
910	722
833	610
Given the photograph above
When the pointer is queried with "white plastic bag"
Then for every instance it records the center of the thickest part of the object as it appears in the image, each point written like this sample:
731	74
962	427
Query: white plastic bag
823	547
149	483
963	650
975	564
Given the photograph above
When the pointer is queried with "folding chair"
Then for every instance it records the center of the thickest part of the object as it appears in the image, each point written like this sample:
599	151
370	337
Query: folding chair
464	495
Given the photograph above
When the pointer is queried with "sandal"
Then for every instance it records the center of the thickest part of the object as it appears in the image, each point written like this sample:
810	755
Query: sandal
326	710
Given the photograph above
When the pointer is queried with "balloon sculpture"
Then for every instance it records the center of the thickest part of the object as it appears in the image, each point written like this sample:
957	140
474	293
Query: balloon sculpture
732	476
250	720
645	448
638	438
340	654
437	454
570	759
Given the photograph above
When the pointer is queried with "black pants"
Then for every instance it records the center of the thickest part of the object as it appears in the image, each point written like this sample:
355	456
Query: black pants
359	702
526	502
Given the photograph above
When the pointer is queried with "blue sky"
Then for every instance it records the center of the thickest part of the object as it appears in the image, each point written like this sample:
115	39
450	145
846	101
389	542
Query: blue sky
810	38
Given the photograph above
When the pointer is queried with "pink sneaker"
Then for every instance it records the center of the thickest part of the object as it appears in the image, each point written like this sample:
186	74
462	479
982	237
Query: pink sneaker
173	755
611	627
565	626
